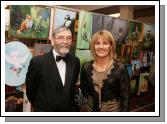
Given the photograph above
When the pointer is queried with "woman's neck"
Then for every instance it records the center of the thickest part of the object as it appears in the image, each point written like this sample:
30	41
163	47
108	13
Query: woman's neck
102	61
101	64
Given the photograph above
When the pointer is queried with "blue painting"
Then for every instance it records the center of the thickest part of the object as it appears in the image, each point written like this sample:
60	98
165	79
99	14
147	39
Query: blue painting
17	58
64	18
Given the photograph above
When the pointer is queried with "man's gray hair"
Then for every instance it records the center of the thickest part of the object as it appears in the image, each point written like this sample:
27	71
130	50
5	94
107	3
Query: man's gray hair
60	29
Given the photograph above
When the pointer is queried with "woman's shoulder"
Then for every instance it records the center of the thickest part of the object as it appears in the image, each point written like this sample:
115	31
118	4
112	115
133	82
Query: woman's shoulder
88	64
119	64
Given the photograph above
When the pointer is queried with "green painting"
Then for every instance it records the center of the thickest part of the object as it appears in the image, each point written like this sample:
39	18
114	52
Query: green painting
84	30
84	56
135	31
27	21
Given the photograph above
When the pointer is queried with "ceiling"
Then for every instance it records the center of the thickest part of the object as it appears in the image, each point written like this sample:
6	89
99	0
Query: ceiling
108	9
86	7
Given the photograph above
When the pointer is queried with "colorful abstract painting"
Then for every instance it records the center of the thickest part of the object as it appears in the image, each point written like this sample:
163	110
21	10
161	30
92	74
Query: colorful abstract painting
17	58
28	21
84	30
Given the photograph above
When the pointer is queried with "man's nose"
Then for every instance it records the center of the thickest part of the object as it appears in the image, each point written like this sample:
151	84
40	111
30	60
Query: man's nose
65	40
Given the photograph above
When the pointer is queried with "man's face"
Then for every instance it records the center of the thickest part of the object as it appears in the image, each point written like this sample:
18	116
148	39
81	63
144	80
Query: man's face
62	42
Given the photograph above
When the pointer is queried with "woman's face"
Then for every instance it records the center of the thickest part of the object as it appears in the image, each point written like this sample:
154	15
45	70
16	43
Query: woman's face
102	48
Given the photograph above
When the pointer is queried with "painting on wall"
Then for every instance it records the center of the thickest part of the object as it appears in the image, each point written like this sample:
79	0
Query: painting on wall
135	31
120	30
17	58
64	18
136	53
147	57
149	37
28	21
143	83
101	22
41	49
84	30
127	54
118	27
135	68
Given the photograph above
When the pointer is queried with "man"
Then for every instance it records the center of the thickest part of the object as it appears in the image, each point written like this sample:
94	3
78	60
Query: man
51	78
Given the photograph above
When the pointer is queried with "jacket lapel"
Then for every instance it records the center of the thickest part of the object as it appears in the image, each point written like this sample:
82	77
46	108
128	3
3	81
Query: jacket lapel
54	73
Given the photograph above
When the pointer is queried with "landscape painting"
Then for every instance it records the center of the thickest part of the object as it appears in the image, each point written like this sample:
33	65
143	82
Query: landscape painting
28	21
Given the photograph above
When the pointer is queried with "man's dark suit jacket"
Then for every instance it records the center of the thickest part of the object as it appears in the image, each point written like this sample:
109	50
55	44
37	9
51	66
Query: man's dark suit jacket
44	86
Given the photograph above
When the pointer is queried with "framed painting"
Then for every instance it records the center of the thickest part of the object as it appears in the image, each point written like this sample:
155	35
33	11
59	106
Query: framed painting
101	22
120	30
28	21
149	37
64	18
118	27
136	53
143	83
84	30
135	31
146	58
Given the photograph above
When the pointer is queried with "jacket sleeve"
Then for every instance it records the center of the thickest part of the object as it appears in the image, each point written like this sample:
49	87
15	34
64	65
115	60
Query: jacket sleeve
125	90
32	80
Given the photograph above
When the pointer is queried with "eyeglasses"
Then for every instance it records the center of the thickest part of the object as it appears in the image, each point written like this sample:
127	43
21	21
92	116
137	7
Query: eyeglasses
62	38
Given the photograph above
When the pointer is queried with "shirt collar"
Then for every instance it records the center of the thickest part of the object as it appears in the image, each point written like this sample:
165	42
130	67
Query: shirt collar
55	53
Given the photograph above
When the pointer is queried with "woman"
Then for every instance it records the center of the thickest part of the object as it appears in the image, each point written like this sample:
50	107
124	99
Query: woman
104	81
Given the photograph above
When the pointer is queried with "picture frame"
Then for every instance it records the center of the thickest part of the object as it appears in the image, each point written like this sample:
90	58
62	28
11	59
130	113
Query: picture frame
29	21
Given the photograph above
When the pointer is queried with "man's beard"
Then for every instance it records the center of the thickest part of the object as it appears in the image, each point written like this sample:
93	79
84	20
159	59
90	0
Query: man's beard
63	50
